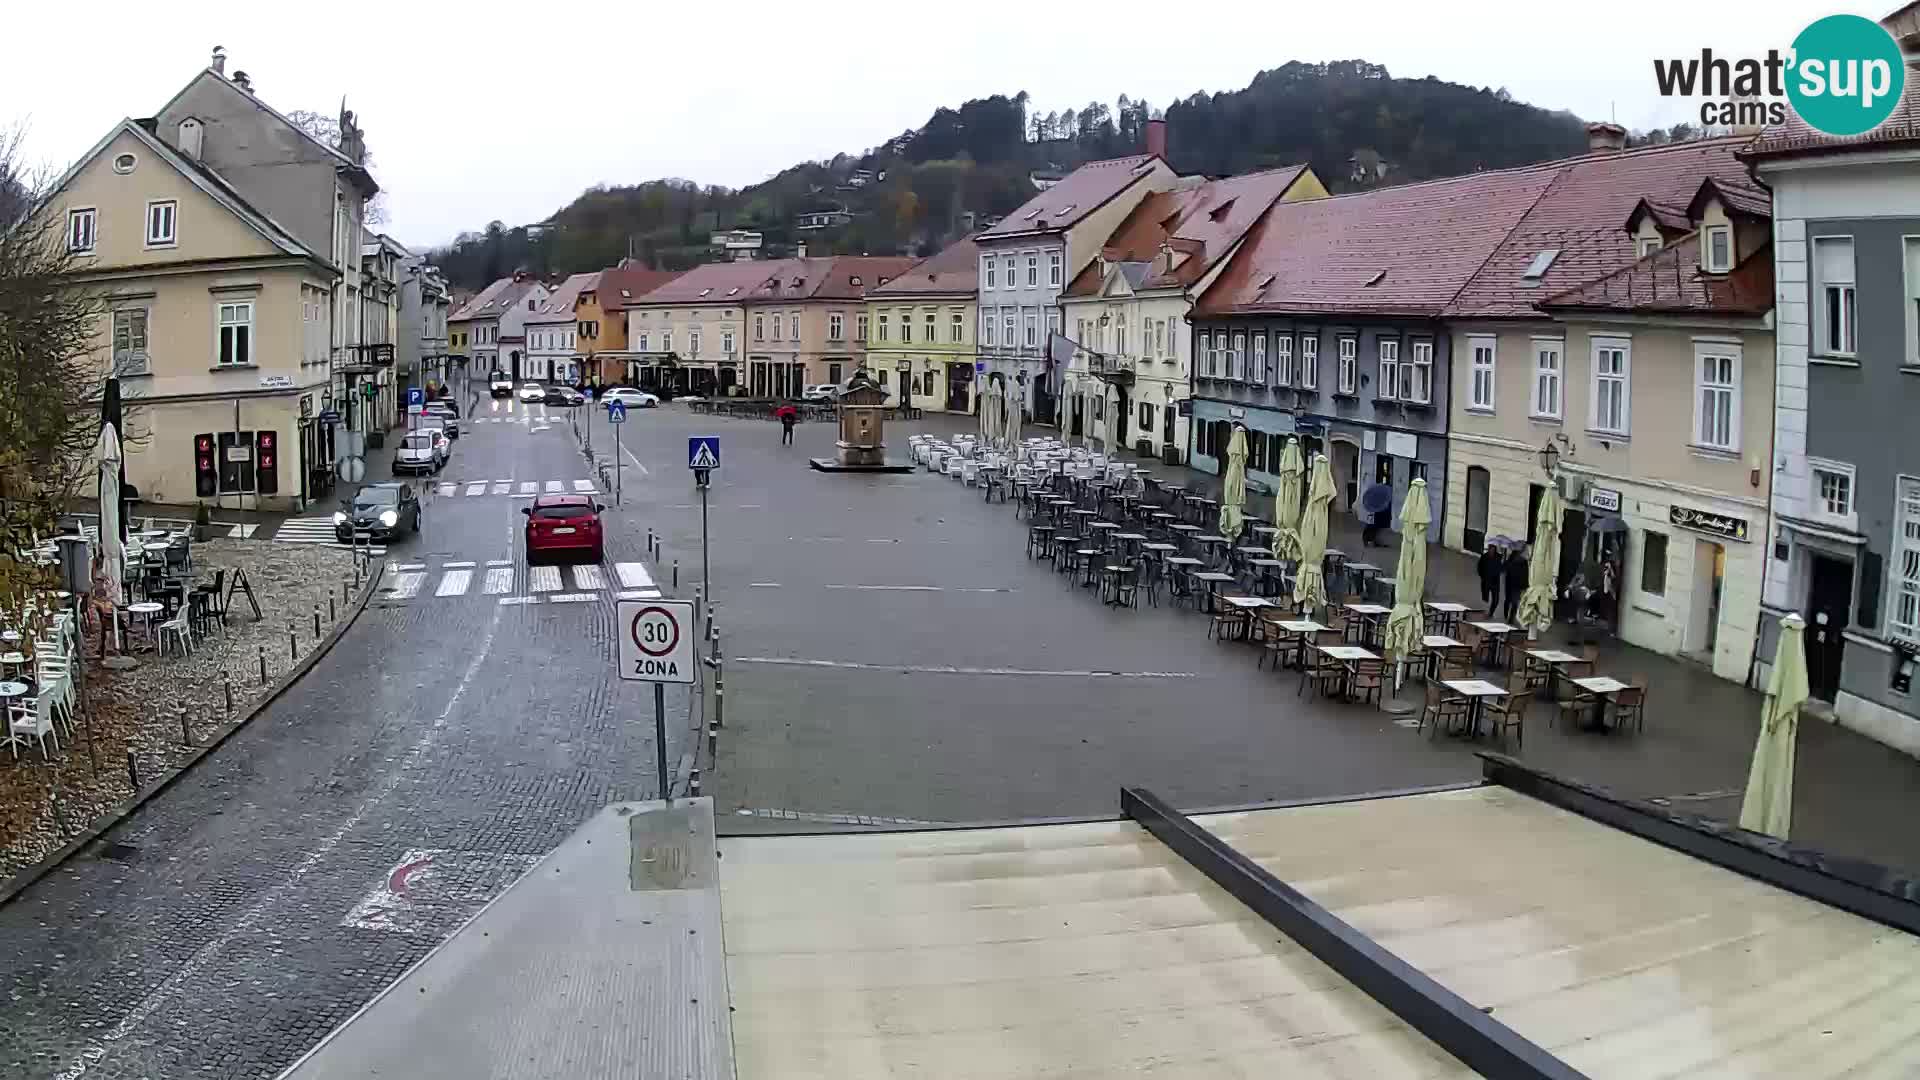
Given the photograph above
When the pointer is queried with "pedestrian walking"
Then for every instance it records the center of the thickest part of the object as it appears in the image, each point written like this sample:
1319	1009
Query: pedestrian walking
788	417
1516	574
1491	568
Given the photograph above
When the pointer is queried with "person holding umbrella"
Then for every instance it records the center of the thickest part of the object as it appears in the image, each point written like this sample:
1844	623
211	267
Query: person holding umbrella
788	416
1517	571
1491	568
1376	513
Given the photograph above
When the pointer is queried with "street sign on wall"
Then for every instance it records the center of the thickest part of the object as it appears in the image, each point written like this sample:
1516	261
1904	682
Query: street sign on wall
656	641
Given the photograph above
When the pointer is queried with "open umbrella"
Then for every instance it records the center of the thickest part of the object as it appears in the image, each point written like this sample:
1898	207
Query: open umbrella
111	544
1310	582
1233	499
1286	502
1536	603
1405	627
1768	806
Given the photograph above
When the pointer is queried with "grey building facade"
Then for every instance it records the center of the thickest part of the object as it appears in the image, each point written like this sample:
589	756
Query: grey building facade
1845	543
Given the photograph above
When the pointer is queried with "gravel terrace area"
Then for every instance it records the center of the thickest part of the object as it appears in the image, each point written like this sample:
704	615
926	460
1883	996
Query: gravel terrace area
139	709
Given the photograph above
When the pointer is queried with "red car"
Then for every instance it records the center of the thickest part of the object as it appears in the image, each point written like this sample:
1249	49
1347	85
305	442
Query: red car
564	525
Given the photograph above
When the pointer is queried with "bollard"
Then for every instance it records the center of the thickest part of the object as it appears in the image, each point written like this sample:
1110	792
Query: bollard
332	615
293	643
133	772
263	665
186	733
226	683
676	573
719	681
713	741
316	622
693	784
649	543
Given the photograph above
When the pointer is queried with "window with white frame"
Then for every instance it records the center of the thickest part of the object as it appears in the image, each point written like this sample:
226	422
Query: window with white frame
986	328
160	222
1160	337
860	327
1612	394
1309	362
236	333
1903	620
906	326
1833	298
666	340
1033	329
881	330
1830	493
1210	343
693	342
640	342
1283	373
1258	371
759	328
1718	249
1053	323
1648	245
987	269
1033	269
1716	407
726	342
80	233
1416	375
1120	337
836	326
1053	268
1389	368
1480	381
956	328
1349	376
1548	368
1007	327
130	341
931	324
1238	357
793	326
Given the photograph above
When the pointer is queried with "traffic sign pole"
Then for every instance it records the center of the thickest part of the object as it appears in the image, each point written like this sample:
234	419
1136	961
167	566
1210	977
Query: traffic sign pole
660	740
619	464
706	581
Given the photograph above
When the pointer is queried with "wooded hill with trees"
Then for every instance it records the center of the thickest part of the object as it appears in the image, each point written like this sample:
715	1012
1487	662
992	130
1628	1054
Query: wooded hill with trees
1357	125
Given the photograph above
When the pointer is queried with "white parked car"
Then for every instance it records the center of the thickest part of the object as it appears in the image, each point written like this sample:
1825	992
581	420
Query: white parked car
630	397
422	450
500	384
820	392
530	392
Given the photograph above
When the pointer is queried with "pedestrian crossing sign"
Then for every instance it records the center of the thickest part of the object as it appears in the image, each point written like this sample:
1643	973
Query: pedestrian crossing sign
703	452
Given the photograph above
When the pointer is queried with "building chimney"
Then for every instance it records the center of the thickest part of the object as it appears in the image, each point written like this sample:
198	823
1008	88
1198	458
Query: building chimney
219	60
1604	136
1157	138
240	80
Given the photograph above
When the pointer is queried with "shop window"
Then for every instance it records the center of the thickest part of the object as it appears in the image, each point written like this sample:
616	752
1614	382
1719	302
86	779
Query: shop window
1653	565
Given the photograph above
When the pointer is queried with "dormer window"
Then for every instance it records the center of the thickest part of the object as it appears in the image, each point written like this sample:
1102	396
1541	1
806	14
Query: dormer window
1377	278
704	292
1537	269
1219	213
1649	245
733	290
1716	249
854	280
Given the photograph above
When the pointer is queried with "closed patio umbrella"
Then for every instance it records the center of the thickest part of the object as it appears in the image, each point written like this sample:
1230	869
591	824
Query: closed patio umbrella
1310	583
1286	502
985	406
1405	627
1768	806
1015	419
1536	603
1233	499
111	545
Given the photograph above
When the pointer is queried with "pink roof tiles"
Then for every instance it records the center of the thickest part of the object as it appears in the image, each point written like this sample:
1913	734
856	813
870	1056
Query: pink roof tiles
1084	190
1797	138
954	269
1670	281
1200	221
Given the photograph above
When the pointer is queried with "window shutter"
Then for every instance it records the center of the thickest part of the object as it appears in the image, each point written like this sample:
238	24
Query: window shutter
1868	614
1834	261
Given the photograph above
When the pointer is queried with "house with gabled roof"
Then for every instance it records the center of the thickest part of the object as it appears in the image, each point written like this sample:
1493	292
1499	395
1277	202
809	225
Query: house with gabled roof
919	330
553	333
803	319
602	316
491	327
226	298
685	336
1128	369
1027	258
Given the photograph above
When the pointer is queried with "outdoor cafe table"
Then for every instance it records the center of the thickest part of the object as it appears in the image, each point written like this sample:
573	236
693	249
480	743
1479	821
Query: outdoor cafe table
1554	659
1181	564
1116	573
1214	580
1246	606
1346	654
1301	629
1131	538
1433	643
1211	540
1362	571
1496	632
1449	613
1370	615
1476	691
1602	688
1270	571
1265	530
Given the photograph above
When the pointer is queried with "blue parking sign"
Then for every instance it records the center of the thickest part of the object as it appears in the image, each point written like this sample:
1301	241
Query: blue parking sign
416	396
703	452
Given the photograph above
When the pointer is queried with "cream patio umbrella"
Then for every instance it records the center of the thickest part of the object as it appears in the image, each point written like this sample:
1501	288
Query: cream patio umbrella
1286	502
1233	497
1010	425
1405	627
1768	806
112	551
1310	581
1536	603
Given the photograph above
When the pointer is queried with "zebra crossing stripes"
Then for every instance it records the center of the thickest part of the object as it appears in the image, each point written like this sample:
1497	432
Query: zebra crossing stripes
448	489
478	487
584	487
499	581
554	487
405	586
543	579
633	575
588	577
573	584
502	487
317	530
454	583
528	487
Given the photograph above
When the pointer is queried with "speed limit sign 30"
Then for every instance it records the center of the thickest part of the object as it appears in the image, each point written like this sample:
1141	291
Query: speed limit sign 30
656	641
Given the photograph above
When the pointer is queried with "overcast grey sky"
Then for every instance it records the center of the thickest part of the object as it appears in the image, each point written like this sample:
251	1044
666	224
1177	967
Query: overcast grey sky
481	111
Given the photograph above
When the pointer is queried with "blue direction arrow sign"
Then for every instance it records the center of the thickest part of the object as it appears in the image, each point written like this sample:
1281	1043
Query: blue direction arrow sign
703	452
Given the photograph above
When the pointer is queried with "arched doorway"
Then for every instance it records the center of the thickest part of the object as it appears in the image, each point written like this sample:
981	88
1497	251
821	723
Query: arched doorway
515	357
1345	460
1479	484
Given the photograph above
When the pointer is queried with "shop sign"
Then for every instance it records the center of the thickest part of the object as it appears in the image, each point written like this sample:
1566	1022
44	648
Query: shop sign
1604	499
1686	517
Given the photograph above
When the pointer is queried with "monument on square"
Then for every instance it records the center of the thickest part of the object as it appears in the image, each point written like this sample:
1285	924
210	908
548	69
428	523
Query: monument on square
862	406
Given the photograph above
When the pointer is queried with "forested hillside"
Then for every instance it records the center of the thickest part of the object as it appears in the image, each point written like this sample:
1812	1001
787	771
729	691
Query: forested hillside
1356	124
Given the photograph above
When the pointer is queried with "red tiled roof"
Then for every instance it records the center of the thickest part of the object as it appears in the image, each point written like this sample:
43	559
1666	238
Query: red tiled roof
718	283
1749	201
954	269
1202	220
1670	280
1421	242
558	306
1084	190
1797	137
622	286
1668	218
1581	215
494	300
832	277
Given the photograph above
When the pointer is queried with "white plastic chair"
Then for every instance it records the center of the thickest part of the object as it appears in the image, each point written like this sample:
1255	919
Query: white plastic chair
177	629
32	719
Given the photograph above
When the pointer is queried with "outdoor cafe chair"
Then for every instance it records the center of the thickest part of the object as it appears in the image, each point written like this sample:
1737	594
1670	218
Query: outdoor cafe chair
1067	559
1456	662
31	718
175	630
1442	707
1630	705
1038	539
1509	713
1322	672
1369	679
1180	588
1275	643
